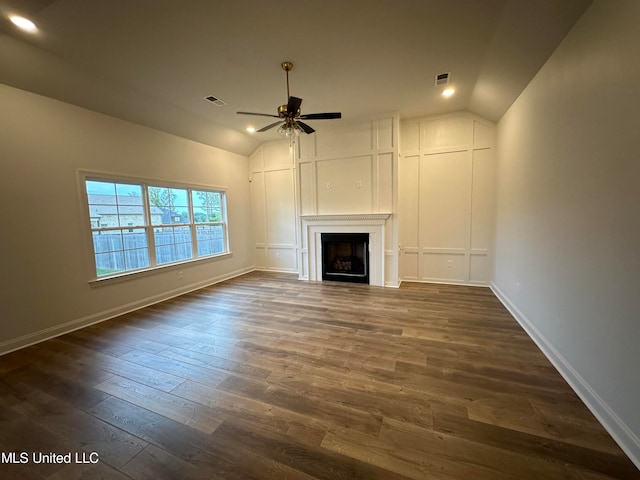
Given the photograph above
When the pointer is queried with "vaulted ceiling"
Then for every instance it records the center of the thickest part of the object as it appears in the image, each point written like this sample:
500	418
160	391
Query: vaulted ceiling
153	61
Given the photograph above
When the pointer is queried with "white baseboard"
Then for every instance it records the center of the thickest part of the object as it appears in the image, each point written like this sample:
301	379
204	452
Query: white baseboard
67	327
439	281
276	270
617	428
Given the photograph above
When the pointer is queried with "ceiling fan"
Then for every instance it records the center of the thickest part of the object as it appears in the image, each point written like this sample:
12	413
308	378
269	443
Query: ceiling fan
289	114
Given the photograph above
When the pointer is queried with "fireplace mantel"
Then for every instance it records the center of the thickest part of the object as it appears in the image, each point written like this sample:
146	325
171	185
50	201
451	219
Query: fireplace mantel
314	226
346	217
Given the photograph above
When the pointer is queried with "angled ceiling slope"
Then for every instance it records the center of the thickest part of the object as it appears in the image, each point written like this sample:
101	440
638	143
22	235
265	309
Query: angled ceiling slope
153	63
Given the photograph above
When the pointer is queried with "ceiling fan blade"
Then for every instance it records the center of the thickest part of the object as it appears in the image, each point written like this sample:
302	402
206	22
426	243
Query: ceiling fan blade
305	128
293	106
264	129
260	114
321	116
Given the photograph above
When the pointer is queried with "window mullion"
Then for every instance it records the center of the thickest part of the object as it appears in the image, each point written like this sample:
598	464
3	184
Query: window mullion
149	226
192	223
110	229
223	217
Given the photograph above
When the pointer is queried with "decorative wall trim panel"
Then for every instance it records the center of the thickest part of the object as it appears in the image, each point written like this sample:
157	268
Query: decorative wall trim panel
348	173
273	207
446	192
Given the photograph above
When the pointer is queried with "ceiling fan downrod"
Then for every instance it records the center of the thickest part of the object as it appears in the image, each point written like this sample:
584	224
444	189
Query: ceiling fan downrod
287	67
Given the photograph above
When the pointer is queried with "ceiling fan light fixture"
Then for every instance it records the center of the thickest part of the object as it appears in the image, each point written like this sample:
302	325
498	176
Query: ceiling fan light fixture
289	130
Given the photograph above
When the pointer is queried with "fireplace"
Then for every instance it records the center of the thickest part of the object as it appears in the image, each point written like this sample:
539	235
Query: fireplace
314	226
345	257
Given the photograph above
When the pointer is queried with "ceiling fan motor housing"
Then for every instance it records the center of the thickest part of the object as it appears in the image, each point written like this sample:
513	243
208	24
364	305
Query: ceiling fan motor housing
283	111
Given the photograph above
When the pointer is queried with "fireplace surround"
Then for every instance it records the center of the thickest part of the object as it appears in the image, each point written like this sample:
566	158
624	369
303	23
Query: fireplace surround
313	226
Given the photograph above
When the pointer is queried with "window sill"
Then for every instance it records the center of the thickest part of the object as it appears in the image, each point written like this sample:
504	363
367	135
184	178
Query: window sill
124	276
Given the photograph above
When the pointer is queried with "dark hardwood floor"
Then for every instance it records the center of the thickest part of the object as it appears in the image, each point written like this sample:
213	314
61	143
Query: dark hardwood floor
268	377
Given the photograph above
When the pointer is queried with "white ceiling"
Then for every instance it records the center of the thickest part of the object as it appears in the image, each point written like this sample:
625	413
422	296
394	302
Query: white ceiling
153	61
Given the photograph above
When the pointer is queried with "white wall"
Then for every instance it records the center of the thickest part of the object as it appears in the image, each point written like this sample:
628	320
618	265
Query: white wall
46	261
568	221
447	199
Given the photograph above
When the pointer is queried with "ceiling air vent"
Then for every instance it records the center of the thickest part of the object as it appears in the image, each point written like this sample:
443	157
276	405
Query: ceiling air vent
216	101
442	79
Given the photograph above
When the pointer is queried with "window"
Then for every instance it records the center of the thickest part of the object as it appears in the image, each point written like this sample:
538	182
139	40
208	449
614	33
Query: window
208	214
139	225
172	229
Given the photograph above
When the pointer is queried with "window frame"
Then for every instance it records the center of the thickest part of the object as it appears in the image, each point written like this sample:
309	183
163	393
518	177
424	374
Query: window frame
149	227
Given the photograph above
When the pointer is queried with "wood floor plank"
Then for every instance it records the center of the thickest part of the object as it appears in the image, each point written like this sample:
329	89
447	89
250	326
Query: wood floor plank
460	456
102	471
317	463
186	443
97	361
402	406
81	431
216	362
547	449
24	434
153	463
177	408
247	461
265	377
174	368
407	459
51	379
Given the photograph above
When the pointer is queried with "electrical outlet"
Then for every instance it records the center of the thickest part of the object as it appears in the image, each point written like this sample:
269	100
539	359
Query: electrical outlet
359	184
449	263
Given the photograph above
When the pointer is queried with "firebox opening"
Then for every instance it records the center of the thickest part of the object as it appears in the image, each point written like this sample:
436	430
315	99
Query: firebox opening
345	257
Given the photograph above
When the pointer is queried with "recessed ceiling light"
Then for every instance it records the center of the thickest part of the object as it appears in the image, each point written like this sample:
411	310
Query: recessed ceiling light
23	23
447	92
251	129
